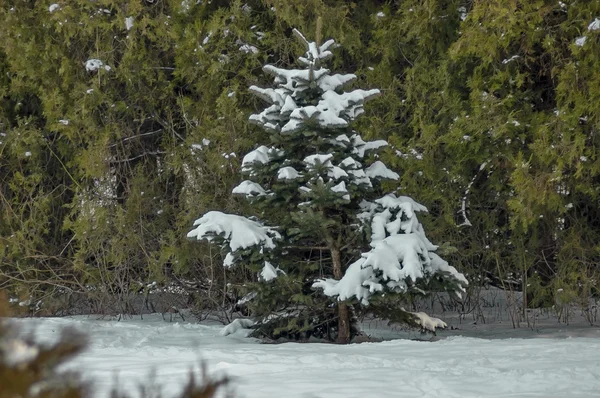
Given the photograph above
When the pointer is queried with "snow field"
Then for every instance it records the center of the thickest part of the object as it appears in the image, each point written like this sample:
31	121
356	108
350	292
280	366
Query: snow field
455	366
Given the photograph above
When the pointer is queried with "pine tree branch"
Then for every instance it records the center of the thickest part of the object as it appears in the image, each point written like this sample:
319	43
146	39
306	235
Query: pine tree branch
136	136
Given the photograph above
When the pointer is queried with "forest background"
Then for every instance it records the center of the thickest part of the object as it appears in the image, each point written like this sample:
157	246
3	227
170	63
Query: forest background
121	122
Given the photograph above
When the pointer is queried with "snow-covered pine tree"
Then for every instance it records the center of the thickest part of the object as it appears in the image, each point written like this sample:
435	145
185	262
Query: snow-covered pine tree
317	185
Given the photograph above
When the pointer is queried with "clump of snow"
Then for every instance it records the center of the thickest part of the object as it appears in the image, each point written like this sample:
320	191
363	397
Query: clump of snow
462	13
288	173
93	64
237	231
235	326
247	48
128	23
269	272
261	155
429	323
341	188
593	26
53	7
380	14
580	41
28	154
249	189
379	170
312	160
64	122
229	260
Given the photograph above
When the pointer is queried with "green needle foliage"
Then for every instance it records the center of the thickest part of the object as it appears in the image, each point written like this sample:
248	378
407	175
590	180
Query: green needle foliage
492	108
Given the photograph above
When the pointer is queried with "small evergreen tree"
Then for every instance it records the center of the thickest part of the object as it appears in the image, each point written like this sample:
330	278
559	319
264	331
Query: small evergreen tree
319	182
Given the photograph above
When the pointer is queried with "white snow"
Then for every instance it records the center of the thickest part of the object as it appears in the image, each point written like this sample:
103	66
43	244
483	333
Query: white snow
28	153
429	323
269	272
379	170
261	155
236	326
128	23
240	232
64	121
336	173
247	48
288	173
93	64
453	367
341	188
595	25
360	146
342	138
320	158
53	7
580	41
229	260
249	188
380	14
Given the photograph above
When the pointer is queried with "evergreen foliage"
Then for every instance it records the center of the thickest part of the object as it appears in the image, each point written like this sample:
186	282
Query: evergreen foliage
320	183
491	108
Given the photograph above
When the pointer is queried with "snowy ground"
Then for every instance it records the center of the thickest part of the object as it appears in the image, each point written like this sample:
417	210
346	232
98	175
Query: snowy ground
453	366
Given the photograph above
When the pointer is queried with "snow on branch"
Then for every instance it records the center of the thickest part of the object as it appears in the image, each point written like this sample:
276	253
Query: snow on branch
334	110
400	258
361	146
427	322
463	206
395	264
261	155
249	189
269	272
288	173
314	53
379	170
237	232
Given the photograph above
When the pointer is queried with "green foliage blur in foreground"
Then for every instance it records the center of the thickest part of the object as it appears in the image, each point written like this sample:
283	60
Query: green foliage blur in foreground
493	108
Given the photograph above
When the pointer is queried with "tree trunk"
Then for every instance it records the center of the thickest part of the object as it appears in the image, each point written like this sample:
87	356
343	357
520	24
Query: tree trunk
343	310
